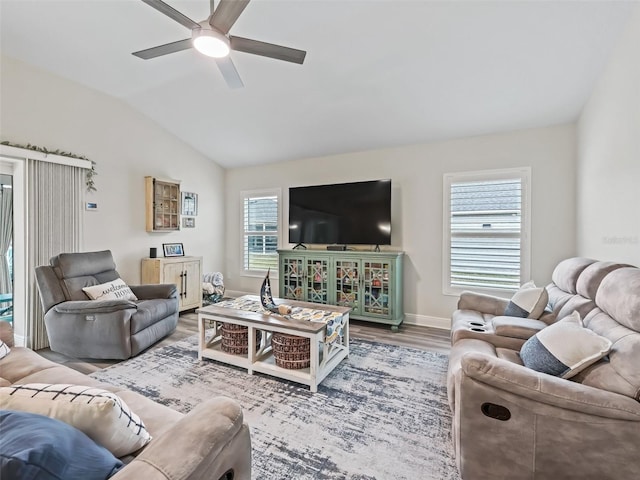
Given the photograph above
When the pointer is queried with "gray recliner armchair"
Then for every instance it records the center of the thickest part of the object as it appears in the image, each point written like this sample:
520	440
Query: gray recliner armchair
105	329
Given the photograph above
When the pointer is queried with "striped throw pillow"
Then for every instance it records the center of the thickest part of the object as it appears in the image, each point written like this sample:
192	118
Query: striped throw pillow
99	414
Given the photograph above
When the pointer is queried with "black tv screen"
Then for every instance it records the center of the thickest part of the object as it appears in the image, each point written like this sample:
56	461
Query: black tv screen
356	213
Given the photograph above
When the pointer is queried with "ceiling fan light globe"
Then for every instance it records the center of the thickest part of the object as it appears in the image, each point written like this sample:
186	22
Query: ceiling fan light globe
211	44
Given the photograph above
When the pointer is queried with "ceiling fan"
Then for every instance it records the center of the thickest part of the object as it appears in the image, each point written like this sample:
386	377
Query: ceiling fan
211	37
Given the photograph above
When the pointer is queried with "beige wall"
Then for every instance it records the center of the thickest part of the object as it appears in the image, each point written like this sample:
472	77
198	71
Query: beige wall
416	173
52	112
609	157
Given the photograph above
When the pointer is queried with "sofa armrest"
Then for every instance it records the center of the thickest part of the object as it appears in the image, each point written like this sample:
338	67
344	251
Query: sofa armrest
208	442
513	327
540	387
151	291
84	307
482	303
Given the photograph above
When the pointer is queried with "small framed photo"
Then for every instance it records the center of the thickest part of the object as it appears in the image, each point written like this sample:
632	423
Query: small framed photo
173	249
189	203
188	222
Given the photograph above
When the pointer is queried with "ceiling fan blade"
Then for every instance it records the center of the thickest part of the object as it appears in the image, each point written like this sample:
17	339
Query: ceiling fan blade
267	49
164	49
229	72
226	14
212	7
172	13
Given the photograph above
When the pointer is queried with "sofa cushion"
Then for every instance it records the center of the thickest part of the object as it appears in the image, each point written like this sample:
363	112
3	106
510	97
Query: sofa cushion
6	333
567	272
619	296
102	415
38	447
564	348
150	311
528	302
590	279
114	290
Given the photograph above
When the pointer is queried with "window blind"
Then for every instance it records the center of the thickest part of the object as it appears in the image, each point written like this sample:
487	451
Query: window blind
486	234
261	233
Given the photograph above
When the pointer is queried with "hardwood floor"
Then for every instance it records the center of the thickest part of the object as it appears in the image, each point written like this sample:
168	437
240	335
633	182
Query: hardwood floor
413	336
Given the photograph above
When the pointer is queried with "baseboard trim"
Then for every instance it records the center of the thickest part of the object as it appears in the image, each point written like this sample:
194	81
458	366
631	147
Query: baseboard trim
19	340
427	321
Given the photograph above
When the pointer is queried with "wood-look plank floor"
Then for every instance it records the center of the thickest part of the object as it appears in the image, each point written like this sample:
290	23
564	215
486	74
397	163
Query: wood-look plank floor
413	336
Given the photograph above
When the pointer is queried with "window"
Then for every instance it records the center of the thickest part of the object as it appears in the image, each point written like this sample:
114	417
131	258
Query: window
486	230
260	232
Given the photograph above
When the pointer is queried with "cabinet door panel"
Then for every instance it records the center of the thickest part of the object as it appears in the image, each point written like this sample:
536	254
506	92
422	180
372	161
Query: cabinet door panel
292	278
316	280
192	283
376	288
347	284
172	273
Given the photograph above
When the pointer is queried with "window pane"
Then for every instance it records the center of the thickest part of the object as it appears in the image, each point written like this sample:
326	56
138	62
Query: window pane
261	214
261	233
260	252
486	225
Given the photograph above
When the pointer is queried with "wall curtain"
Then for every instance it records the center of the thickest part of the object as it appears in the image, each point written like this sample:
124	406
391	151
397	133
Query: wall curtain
55	195
6	235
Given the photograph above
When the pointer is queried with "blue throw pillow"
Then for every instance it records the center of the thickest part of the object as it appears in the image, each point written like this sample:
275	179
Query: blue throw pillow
42	448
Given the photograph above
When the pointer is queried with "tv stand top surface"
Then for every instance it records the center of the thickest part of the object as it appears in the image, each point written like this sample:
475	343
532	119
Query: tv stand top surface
318	250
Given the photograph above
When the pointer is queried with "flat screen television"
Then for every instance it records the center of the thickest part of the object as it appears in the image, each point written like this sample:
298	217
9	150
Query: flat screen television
357	213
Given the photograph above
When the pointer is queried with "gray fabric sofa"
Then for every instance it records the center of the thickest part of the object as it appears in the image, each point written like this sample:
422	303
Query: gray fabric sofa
513	422
114	329
210	442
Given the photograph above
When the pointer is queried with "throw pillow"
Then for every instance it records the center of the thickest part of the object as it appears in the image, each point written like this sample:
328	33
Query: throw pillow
39	447
564	348
115	290
100	414
528	302
4	350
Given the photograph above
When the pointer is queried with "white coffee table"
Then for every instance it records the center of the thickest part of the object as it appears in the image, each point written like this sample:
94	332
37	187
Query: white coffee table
324	357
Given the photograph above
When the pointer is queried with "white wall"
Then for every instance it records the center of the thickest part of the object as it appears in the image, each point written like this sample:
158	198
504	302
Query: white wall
416	172
52	112
609	157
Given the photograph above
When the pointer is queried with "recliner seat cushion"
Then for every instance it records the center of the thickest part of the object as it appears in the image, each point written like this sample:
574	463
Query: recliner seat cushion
149	311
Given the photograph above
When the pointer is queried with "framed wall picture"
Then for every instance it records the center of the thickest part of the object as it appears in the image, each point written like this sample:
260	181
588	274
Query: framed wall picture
173	249
188	222
189	203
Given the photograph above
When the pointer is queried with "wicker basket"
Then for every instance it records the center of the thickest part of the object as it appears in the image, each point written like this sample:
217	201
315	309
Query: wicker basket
291	352
235	339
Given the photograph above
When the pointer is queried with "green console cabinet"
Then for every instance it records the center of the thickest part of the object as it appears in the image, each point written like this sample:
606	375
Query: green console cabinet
368	282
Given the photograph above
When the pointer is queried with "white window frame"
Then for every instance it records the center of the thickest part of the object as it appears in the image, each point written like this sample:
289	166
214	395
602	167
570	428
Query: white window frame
272	192
524	173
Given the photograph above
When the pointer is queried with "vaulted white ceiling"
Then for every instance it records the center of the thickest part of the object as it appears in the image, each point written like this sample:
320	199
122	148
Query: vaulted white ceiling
377	73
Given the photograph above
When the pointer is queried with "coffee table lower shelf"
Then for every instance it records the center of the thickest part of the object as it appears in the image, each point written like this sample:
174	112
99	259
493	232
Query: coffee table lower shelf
260	357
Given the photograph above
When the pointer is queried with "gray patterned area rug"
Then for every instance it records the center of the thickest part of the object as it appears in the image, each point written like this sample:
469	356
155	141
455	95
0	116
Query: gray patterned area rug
381	414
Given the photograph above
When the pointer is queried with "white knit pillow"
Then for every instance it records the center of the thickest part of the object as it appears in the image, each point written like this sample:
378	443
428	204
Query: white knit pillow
101	415
115	290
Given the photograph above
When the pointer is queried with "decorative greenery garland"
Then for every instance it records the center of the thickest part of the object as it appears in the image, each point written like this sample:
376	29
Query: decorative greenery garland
89	181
